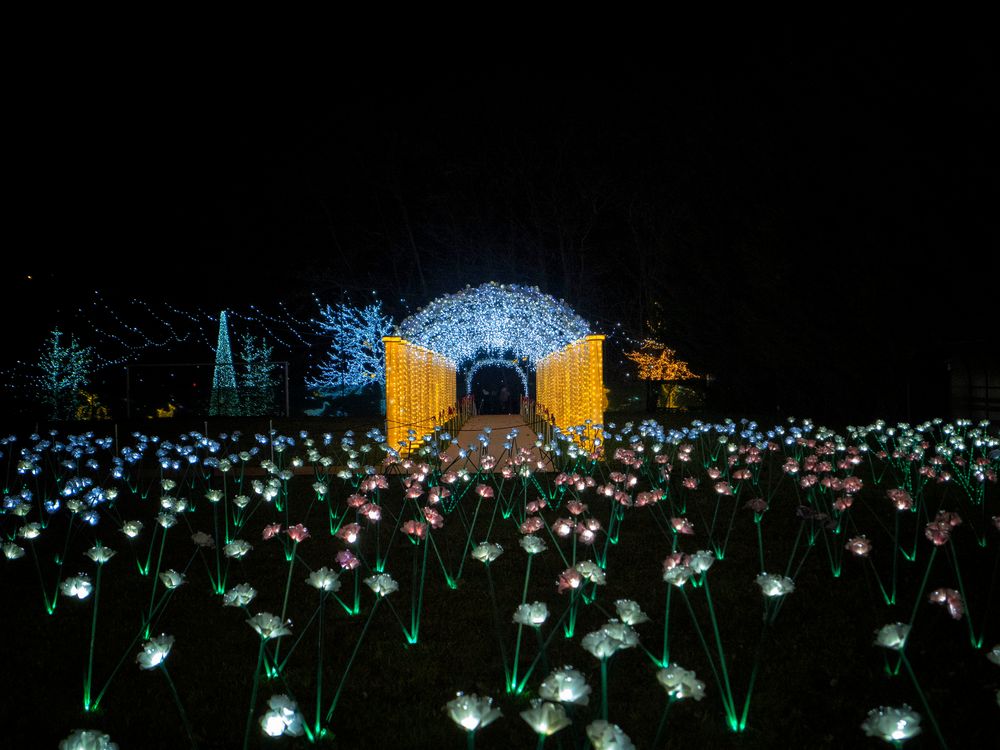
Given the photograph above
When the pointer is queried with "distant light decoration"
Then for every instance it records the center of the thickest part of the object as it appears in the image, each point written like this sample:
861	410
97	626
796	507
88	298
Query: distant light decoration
496	362
356	357
659	362
569	385
225	401
494	319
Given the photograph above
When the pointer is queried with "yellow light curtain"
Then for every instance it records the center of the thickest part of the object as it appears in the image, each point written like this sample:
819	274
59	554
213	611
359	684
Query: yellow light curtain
569	384
420	388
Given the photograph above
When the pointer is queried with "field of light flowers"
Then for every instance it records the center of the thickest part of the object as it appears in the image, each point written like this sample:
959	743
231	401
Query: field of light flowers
726	584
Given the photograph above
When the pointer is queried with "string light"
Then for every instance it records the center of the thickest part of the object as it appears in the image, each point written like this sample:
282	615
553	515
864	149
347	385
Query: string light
659	362
356	357
494	320
496	362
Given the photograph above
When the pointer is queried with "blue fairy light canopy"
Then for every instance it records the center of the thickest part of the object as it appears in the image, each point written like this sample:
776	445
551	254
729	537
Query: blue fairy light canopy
494	320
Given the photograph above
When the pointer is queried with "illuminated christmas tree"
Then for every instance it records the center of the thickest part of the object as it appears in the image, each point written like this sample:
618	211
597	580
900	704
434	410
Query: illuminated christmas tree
259	379
225	400
357	355
64	370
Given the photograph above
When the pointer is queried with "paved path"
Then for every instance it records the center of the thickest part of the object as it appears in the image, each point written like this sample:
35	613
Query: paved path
501	434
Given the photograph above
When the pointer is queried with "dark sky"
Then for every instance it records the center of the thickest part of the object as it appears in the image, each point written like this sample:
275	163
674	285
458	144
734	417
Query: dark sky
804	221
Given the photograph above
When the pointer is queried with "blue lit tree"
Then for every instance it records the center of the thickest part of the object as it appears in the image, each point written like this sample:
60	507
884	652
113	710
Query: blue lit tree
225	399
357	356
63	371
258	377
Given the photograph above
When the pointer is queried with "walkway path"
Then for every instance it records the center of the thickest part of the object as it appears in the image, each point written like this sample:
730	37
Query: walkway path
502	426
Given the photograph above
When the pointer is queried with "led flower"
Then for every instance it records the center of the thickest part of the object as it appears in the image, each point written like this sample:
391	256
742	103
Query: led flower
610	639
533	614
269	626
546	718
892	724
605	736
172	579
78	586
237	549
282	717
565	685
951	598
563	527
678	575
591	571
348	533
859	545
154	651
382	584
201	539
701	560
532	544
87	739
415	529
630	612
347	560
682	525
484	491
900	498
239	596
892	636
298	533
487	552
213	496
166	520
131	529
12	552
681	683
775	585
371	511
532	524
569	579
324	579
472	712
30	530
241	501
994	655
100	554
435	519
271	531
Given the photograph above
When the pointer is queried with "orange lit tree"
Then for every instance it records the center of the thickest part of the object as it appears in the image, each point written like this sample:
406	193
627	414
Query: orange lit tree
658	363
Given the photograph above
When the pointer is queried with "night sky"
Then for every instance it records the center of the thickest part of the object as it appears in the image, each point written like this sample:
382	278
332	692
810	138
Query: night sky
812	224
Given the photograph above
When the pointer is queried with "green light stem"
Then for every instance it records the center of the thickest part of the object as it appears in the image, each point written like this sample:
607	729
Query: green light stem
895	556
354	654
93	634
217	584
319	663
663	723
923	586
923	700
730	710
718	644
470	740
496	622
49	608
180	706
253	694
156	577
468	540
284	603
953	556
760	545
666	626
604	689
543	645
